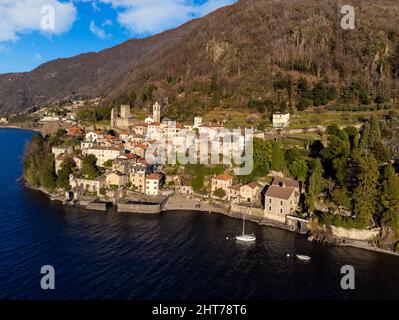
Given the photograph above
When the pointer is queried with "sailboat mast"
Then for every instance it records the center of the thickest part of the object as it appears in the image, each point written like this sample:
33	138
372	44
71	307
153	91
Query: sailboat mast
243	225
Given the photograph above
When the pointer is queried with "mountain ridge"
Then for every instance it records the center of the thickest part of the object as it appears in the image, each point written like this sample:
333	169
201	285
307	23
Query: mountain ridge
234	54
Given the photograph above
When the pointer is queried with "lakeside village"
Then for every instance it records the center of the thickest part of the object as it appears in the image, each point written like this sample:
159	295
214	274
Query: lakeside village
331	189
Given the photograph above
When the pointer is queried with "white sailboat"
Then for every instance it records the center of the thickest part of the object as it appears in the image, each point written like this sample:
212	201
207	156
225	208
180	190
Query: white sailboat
245	237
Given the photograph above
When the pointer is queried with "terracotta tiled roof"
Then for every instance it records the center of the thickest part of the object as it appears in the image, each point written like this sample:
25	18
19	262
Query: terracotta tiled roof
73	130
223	177
279	192
236	187
105	148
143	161
142	146
131	156
154	176
253	185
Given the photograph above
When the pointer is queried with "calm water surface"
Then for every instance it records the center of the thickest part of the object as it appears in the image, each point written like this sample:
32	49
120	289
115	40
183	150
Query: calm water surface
179	255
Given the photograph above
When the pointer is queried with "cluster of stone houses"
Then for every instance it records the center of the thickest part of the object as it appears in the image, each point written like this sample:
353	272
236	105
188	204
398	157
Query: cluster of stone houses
124	165
123	158
281	197
236	193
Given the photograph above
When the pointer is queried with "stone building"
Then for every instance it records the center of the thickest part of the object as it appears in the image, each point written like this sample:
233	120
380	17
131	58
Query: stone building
123	119
88	185
153	184
137	176
280	120
250	192
282	198
103	154
222	181
116	178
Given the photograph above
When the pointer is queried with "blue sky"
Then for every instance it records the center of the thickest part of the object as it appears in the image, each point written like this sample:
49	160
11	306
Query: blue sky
35	31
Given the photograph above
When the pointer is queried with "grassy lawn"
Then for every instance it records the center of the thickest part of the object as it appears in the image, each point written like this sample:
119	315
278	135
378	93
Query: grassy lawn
326	118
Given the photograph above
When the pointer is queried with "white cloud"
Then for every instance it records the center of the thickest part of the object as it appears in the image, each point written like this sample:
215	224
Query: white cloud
152	16
38	56
99	32
107	22
24	16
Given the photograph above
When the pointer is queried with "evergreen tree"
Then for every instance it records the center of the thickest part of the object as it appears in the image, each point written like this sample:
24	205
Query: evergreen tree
364	142
365	194
48	176
299	169
353	136
390	199
67	168
292	155
317	183
262	152
89	167
277	157
370	134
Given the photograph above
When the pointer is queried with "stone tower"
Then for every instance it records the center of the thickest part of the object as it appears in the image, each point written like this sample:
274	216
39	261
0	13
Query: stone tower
156	110
113	118
125	111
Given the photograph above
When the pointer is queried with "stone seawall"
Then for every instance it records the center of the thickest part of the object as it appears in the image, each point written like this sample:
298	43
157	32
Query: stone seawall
355	234
97	206
177	202
139	208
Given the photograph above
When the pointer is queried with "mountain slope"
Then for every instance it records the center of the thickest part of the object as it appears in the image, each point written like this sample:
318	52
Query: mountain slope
235	54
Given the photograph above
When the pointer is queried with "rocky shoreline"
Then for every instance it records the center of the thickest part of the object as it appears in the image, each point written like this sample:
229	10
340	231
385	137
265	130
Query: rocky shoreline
180	203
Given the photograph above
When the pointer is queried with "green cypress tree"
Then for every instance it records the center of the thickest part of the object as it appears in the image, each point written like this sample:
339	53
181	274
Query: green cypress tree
277	157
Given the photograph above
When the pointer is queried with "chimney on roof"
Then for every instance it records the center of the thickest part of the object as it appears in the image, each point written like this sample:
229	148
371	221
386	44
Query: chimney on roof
281	184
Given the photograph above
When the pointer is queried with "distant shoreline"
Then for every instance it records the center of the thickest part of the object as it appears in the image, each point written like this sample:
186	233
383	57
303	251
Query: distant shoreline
20	128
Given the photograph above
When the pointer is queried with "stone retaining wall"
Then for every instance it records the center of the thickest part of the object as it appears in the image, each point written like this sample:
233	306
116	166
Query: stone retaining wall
139	208
97	206
355	234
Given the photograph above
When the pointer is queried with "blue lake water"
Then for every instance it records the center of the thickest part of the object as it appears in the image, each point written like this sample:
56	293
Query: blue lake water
178	255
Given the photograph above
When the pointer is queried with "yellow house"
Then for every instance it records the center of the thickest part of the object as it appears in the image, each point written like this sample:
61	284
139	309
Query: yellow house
115	178
249	192
224	182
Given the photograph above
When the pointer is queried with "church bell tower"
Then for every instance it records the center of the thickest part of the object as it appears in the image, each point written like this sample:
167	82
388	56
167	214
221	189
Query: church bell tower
156	110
